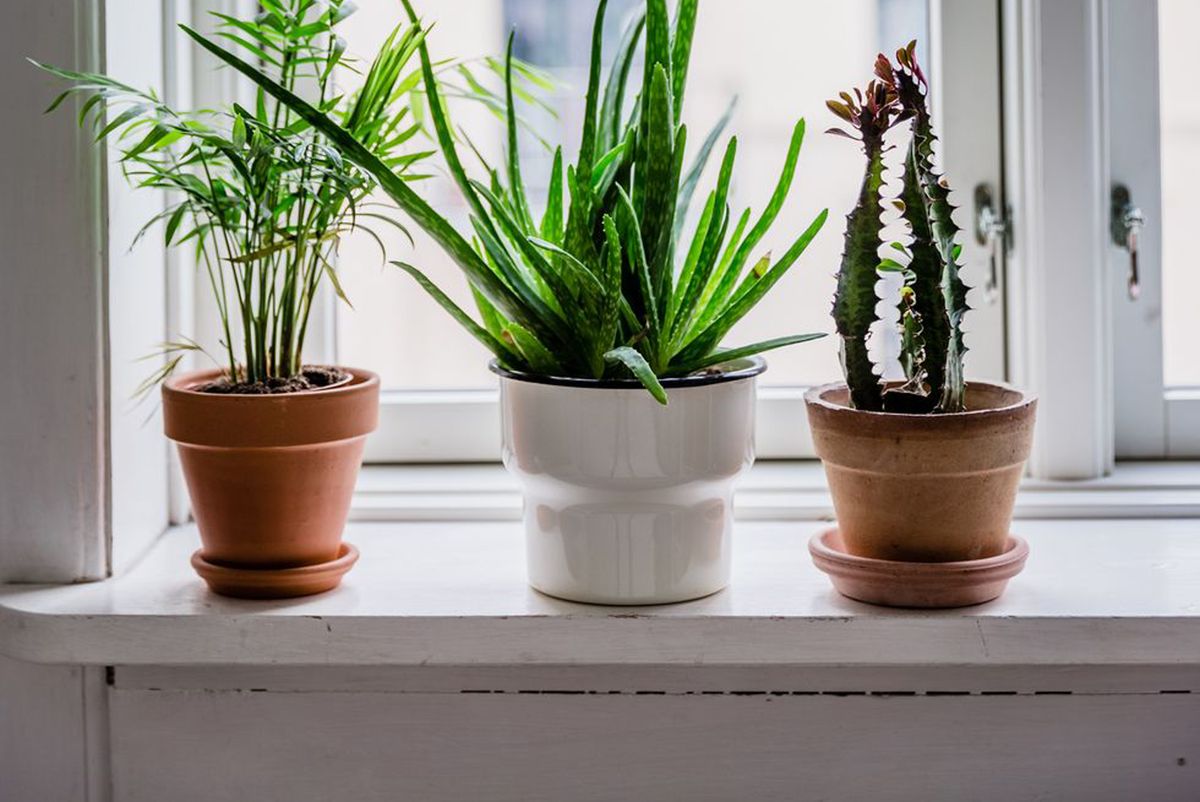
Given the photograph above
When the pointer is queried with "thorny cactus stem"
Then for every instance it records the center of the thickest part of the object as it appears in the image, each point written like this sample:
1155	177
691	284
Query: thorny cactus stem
940	295
933	299
870	115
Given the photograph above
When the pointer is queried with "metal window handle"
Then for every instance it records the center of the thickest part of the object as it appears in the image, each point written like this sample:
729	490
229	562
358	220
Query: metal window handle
991	231
1126	224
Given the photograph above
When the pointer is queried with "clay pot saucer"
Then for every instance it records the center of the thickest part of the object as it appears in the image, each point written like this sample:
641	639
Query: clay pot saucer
276	583
893	583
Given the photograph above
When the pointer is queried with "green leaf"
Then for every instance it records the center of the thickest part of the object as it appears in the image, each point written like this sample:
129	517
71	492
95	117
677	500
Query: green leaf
640	368
552	218
481	334
587	148
536	355
728	355
681	50
688	188
515	185
751	292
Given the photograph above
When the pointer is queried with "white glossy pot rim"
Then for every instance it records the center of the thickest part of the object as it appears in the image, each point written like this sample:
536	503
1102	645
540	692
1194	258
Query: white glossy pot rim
737	370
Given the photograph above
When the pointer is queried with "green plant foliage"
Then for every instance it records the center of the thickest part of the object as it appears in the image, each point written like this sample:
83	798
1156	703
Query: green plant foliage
259	194
933	299
605	284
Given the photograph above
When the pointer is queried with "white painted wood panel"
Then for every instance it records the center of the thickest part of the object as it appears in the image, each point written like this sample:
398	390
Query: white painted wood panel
218	746
42	733
454	593
53	324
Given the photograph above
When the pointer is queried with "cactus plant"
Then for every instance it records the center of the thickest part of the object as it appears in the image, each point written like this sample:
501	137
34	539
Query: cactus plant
933	299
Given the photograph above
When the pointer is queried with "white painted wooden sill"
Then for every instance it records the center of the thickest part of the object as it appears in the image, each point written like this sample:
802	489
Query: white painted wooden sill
452	593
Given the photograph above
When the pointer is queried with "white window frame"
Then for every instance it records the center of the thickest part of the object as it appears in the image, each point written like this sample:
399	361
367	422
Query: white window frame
1152	419
464	425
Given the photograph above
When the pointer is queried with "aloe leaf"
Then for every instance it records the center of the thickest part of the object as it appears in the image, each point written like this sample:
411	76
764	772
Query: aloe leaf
536	355
720	284
532	293
782	188
552	218
640	368
695	283
655	192
493	321
722	356
580	270
681	50
658	41
516	186
751	292
481	334
587	148
632	235
699	237
610	311
612	109
688	188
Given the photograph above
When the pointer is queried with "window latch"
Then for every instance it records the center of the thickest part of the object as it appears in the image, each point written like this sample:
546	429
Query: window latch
1125	224
992	231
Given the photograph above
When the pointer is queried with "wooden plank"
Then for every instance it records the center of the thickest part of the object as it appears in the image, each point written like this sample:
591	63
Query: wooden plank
204	745
454	594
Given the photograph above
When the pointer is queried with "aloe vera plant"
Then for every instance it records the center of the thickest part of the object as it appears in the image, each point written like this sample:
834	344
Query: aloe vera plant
258	193
933	299
603	283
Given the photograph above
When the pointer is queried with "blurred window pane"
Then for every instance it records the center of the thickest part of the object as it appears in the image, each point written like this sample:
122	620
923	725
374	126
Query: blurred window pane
1180	114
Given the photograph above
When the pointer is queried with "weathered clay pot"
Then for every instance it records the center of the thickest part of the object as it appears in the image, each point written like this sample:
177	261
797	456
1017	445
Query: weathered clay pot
628	501
271	476
929	488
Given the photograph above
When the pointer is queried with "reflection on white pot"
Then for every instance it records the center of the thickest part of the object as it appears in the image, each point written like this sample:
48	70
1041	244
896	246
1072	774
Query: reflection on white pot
628	501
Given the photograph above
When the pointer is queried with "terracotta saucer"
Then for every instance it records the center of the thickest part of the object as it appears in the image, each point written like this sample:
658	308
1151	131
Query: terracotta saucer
915	584
276	583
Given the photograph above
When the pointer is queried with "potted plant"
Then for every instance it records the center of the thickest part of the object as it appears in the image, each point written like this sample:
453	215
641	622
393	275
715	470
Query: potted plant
624	419
924	470
270	446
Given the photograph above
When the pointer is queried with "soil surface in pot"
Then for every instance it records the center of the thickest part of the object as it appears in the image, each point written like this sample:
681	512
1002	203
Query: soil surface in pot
310	377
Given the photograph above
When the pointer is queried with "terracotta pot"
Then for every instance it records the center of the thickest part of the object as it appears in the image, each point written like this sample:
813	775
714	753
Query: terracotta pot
270	476
628	501
927	488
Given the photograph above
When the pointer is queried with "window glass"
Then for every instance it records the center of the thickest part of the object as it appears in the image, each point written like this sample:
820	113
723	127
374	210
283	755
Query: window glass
781	58
1180	114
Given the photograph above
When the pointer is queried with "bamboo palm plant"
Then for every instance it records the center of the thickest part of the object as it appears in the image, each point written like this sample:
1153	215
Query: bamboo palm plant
259	194
603	283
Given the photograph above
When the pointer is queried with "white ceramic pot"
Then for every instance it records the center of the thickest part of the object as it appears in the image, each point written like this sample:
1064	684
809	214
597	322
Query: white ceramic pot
628	501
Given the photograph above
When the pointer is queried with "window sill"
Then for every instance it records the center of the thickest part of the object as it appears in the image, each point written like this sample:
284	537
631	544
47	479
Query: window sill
1095	592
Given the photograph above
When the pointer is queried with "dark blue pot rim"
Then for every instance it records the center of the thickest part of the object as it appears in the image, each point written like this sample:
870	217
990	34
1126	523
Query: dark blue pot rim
748	368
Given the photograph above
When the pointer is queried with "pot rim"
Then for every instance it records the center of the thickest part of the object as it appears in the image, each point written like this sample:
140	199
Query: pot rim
182	384
747	367
270	420
813	397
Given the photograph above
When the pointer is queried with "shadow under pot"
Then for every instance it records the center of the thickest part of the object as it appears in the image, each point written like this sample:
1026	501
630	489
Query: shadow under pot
924	488
627	501
270	479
